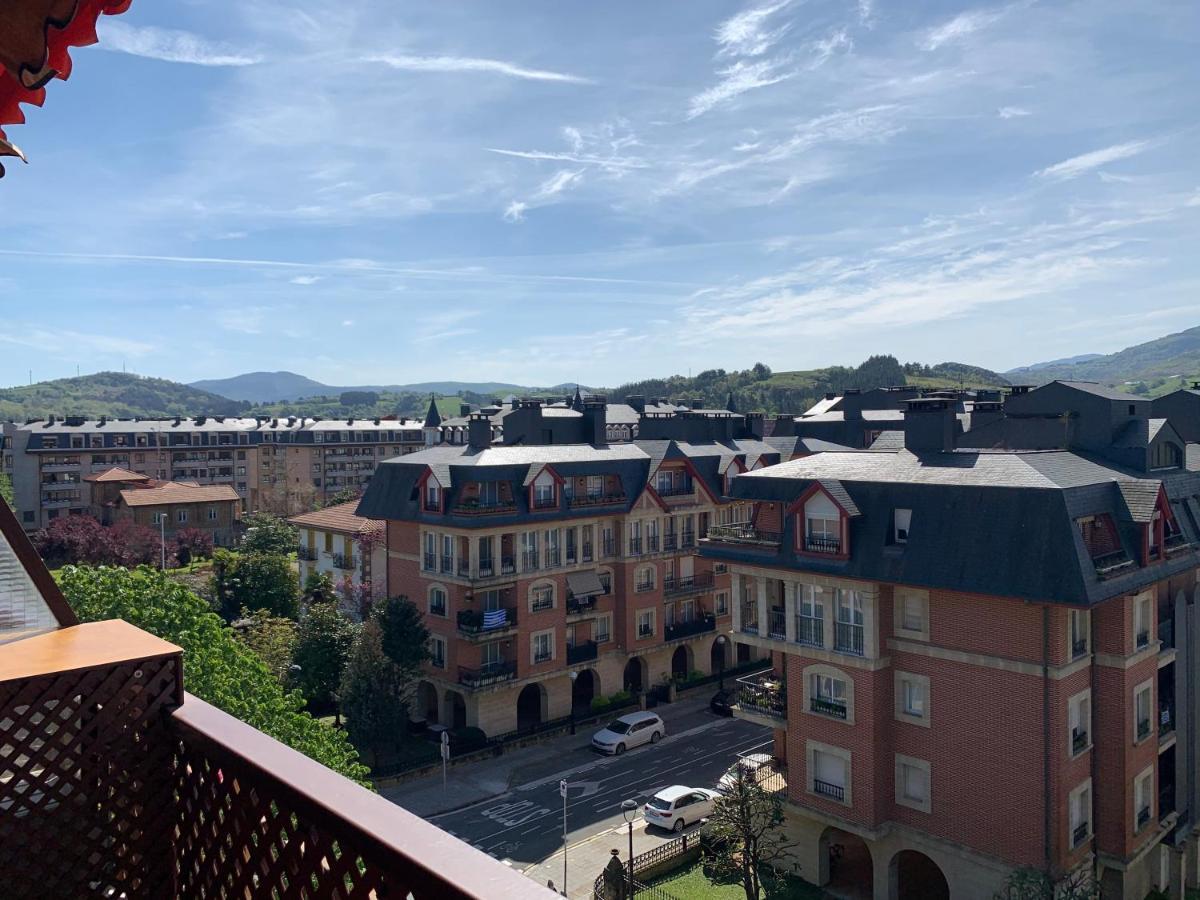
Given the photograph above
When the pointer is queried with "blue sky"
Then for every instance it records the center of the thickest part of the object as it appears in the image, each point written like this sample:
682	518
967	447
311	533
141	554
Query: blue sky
538	192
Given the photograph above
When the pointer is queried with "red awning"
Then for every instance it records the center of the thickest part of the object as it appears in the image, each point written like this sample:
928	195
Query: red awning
35	41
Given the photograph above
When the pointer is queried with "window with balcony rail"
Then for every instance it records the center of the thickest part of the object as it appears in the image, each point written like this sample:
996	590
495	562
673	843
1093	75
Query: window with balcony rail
777	622
447	564
849	629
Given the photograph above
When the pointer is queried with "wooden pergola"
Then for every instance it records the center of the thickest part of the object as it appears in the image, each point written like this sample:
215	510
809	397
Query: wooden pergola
36	37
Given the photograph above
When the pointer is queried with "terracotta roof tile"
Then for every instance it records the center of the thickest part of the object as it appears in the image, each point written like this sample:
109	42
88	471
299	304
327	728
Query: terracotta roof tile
116	473
340	518
173	492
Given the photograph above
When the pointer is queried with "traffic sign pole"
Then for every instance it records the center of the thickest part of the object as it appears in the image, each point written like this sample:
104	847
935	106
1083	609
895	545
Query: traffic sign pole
562	789
445	757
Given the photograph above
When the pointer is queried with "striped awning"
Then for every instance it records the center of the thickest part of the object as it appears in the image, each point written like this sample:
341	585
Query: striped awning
36	37
584	584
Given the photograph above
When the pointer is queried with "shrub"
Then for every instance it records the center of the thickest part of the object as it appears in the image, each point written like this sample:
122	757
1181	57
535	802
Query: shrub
620	697
600	704
192	543
467	738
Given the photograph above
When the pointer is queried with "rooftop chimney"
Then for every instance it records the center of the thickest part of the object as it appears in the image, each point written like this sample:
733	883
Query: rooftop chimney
595	421
638	402
464	409
929	425
479	431
697	403
1018	389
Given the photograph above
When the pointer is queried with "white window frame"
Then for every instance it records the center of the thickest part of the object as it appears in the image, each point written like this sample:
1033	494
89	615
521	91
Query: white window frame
722	604
812	676
437	641
433	494
901	523
1079	804
900	620
1079	622
181	516
606	621
535	639
537	591
1079	715
1143	620
435	589
1143	796
906	767
1144	689
641	614
811	749
904	681
212	513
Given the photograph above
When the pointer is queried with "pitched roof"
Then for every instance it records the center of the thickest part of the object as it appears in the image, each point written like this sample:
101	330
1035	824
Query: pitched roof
433	418
1140	498
116	473
176	492
836	490
341	518
1100	390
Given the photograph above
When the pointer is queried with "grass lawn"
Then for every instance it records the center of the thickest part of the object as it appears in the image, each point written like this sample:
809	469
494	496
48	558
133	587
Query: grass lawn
691	884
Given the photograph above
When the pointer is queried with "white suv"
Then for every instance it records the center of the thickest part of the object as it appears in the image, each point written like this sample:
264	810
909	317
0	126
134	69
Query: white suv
631	730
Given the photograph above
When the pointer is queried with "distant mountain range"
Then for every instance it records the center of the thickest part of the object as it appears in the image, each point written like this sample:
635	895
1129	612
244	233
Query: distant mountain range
1155	367
277	387
114	394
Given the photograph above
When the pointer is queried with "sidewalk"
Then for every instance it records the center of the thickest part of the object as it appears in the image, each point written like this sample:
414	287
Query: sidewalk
551	759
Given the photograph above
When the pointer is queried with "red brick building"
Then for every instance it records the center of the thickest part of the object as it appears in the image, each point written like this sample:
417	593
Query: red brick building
989	655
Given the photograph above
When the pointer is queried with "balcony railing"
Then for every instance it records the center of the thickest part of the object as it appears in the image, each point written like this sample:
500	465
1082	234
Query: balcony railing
553	558
1110	564
698	625
1079	740
545	502
763	693
777	624
1143	816
447	565
529	560
344	561
596	500
674	586
750	620
477	621
1166	719
587	552
816	544
1079	834
508	565
652	543
689	539
1143	728
1079	647
608	546
1166	633
643	587
635	546
484	507
848	638
578	605
582	652
827	707
489	673
744	534
810	631
675	490
429	562
670	542
305	552
155	793
826	789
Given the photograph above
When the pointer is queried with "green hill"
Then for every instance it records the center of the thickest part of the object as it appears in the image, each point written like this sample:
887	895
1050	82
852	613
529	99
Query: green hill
114	394
1155	367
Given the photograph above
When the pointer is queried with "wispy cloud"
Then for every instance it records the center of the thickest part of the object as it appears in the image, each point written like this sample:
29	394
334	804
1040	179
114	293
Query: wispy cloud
736	80
169	45
515	211
305	279
962	25
1012	112
474	64
243	320
54	342
604	162
746	33
1085	162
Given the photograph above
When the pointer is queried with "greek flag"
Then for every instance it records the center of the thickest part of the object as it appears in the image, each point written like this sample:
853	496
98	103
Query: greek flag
494	618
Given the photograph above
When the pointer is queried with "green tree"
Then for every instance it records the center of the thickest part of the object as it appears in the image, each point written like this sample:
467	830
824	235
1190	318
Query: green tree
271	638
372	692
405	639
323	643
6	491
217	667
1033	884
255	581
345	495
266	533
318	588
745	833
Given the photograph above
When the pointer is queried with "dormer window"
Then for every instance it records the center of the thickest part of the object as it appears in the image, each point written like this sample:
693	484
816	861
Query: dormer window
901	520
1166	455
822	525
433	495
544	494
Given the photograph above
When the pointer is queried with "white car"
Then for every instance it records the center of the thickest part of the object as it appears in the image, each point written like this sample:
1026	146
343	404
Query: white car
677	807
750	764
631	730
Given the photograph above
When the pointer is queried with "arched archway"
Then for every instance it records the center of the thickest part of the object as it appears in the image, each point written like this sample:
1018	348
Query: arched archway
681	661
531	707
634	679
914	876
427	706
584	690
846	865
718	654
455	711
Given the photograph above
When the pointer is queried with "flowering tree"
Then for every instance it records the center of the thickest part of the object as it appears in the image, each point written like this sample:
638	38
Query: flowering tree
193	543
137	545
357	599
75	539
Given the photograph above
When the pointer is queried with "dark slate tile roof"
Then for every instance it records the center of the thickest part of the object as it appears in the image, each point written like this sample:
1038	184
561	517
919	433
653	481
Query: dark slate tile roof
836	490
1140	498
1100	390
889	440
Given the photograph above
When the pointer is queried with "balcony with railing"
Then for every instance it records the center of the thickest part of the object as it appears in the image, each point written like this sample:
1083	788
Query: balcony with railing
744	534
777	624
1079	834
303	551
344	561
680	629
1109	565
820	543
827	706
486	622
635	546
644	585
578	606
810	631
828	789
750	618
429	562
581	652
670	542
762	695
476	507
529	560
118	784
488	673
447	566
677	586
590	500
848	638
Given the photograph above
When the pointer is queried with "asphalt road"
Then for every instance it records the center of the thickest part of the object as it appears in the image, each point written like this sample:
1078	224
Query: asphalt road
525	825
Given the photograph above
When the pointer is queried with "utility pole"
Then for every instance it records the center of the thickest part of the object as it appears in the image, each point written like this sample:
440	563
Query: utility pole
162	537
562	789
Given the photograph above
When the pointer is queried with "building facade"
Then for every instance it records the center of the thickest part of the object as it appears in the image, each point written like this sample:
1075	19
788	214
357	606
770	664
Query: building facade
350	549
984	659
536	563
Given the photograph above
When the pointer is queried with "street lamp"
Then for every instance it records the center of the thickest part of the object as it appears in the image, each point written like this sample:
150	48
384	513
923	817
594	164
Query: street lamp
629	811
721	660
574	676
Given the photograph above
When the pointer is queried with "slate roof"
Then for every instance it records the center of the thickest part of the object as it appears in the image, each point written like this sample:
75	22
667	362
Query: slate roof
1100	390
888	440
991	523
340	519
837	491
432	418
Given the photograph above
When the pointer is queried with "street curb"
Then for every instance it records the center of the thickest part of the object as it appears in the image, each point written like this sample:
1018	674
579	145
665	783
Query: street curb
462	806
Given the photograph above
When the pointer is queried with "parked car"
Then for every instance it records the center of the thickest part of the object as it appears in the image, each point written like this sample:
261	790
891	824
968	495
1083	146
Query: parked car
750	764
722	703
677	807
629	731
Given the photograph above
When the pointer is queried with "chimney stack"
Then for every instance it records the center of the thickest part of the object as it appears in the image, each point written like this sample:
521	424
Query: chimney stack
697	403
595	420
929	425
464	409
479	431
638	402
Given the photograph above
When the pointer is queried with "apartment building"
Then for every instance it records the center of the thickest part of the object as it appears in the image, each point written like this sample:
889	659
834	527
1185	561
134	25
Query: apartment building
281	465
167	506
984	656
349	548
553	573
